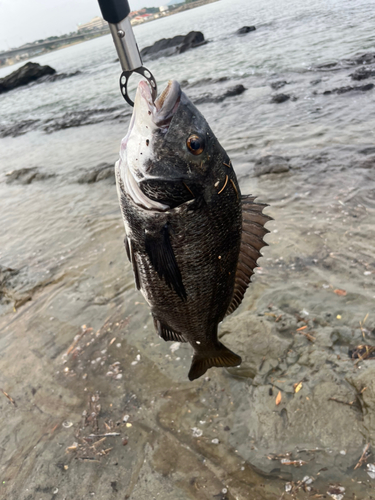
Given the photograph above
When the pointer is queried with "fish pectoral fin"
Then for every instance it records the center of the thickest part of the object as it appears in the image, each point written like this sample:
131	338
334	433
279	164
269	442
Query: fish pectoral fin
221	356
133	260
127	248
166	332
162	257
253	231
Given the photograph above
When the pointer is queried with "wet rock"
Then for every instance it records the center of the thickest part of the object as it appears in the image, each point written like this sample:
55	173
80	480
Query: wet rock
278	98
12	287
27	176
58	76
18	128
231	92
366	378
367	58
6	276
254	342
369	163
245	29
363	59
344	90
271	164
363	73
328	66
99	173
301	427
367	151
169	46
83	117
277	85
69	119
24	75
204	82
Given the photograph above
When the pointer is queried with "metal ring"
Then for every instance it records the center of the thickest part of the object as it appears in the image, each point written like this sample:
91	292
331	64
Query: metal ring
124	78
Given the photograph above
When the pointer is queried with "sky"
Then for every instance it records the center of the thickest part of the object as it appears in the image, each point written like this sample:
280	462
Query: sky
23	21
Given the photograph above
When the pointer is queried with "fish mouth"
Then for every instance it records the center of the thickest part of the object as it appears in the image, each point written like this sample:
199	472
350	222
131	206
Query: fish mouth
165	106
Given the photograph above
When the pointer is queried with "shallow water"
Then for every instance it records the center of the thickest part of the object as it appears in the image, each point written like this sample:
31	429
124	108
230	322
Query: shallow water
65	238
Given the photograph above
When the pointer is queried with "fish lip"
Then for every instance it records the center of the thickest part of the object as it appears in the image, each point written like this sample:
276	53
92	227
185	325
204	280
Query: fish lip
165	106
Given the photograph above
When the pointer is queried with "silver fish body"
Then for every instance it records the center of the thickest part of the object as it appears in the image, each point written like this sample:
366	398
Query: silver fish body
191	237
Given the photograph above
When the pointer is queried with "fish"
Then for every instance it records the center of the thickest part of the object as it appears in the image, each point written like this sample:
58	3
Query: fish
192	238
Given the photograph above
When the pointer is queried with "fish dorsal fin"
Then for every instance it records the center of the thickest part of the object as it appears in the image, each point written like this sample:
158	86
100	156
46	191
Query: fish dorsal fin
166	332
253	231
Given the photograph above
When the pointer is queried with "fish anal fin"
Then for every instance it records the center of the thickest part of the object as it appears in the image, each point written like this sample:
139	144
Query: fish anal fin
166	332
161	254
220	357
253	231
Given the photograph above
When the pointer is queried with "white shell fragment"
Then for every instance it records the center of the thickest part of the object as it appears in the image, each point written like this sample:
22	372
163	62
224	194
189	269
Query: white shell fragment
175	346
336	492
371	470
197	432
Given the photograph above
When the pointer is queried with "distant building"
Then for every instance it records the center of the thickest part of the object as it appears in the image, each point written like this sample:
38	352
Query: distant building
136	13
164	8
142	18
95	24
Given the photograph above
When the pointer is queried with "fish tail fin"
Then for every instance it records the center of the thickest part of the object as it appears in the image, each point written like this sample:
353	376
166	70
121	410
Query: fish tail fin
220	356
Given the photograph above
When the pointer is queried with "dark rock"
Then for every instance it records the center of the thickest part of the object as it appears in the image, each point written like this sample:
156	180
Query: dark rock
367	58
278	98
344	90
363	73
24	75
368	151
6	277
245	29
277	85
58	76
18	128
176	45
83	117
231	92
326	66
204	82
27	176
271	164
99	173
315	82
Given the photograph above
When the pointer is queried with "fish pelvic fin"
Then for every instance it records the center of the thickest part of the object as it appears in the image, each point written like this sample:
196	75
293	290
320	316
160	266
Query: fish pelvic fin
167	333
220	356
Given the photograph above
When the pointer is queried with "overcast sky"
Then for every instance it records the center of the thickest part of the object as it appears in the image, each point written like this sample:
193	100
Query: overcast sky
24	21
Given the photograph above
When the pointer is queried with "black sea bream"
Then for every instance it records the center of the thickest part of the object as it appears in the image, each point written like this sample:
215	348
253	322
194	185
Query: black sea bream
192	238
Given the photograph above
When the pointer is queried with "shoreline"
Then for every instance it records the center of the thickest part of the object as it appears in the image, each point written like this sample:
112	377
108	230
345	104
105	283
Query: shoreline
178	10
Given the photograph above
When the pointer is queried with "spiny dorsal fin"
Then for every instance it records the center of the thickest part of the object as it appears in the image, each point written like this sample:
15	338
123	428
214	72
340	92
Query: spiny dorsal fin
166	332
253	231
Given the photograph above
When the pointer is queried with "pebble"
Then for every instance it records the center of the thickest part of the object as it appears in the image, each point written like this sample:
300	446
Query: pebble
196	432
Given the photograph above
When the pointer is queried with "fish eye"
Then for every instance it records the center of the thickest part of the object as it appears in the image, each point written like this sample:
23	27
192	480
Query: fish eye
195	144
